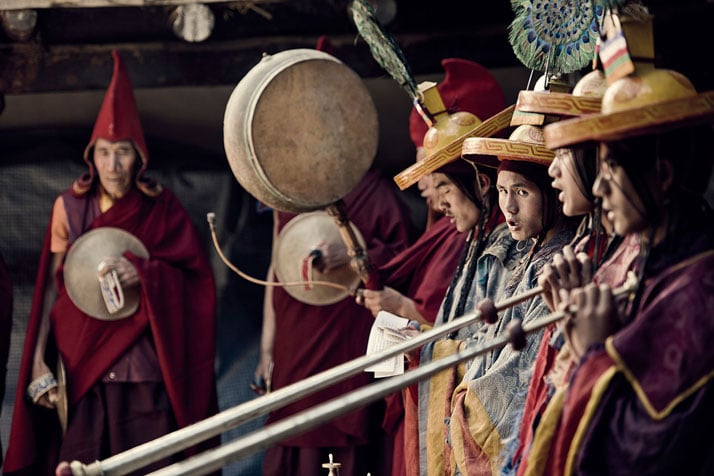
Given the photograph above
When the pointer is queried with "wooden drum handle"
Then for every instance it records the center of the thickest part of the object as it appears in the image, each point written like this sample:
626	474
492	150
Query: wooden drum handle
360	261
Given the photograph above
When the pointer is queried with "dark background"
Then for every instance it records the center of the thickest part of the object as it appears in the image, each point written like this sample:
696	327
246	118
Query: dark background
52	83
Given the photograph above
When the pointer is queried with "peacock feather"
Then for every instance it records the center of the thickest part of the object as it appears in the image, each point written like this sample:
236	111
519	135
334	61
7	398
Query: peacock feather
383	46
557	36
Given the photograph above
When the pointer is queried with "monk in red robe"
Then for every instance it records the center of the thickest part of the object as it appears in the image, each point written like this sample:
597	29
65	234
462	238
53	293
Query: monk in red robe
305	339
128	380
417	279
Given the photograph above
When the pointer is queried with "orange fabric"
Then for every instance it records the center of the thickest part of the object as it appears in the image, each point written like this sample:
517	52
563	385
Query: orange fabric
60	228
411	432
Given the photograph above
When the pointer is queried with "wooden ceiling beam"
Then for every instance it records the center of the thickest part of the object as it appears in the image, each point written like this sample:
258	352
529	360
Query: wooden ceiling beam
33	68
41	4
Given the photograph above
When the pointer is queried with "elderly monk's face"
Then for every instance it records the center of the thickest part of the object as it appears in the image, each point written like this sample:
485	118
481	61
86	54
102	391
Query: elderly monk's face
454	203
115	163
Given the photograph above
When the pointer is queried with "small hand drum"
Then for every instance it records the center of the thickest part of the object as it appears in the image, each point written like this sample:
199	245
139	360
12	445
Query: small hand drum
294	245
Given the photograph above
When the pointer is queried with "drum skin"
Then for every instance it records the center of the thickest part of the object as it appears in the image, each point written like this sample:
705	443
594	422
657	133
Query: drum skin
296	240
300	130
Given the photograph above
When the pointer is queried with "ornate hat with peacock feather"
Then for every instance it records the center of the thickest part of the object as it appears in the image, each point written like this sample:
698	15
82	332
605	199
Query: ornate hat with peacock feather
443	114
555	36
586	98
456	105
654	101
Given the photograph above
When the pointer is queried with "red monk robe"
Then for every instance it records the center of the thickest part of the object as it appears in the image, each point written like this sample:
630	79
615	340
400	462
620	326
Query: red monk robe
310	339
422	272
171	334
177	307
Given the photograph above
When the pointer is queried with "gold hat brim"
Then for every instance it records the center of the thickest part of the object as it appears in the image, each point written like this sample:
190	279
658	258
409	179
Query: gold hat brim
561	104
80	271
452	151
480	150
643	120
295	242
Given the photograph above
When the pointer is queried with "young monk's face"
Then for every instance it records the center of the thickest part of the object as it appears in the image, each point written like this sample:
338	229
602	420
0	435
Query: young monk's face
426	185
115	163
521	203
453	203
620	202
565	179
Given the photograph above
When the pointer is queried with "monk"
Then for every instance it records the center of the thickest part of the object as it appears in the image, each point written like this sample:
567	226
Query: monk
300	340
133	379
642	389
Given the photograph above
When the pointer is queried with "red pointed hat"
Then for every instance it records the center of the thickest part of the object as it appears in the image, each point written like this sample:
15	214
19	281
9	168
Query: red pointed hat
467	87
118	118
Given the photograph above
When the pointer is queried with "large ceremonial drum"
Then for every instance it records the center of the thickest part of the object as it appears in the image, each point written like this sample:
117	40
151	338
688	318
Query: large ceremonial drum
300	130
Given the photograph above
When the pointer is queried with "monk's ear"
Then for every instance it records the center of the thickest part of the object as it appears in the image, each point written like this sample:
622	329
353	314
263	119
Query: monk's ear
484	182
666	175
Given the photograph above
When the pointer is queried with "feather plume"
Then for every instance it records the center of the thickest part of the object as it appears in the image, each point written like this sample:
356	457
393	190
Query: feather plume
383	46
557	36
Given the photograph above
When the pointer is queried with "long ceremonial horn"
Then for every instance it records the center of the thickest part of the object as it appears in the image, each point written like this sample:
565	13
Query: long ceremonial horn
212	460
186	437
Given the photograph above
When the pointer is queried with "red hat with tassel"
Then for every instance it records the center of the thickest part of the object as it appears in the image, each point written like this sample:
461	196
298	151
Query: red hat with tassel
118	120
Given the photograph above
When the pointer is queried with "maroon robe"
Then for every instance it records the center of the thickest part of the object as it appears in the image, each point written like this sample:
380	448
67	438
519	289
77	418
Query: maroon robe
177	306
424	270
644	402
612	272
310	339
423	273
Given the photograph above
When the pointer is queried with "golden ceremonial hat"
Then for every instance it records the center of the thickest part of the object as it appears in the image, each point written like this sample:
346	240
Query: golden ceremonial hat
81	268
586	98
453	110
525	144
451	151
657	100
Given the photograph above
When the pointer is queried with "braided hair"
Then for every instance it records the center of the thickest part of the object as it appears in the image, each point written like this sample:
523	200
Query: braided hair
478	236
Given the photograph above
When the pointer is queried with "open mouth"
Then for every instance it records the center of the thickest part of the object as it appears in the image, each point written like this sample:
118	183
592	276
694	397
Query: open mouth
513	225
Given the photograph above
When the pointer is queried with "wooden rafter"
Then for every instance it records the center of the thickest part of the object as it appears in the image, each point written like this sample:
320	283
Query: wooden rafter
31	4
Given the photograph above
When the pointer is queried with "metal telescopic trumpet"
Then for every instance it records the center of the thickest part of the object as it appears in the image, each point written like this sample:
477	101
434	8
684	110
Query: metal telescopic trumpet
211	460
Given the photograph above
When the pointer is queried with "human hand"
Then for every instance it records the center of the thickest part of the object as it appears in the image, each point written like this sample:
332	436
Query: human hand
262	378
566	271
387	299
63	469
330	256
411	331
43	388
593	319
125	270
